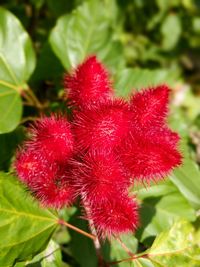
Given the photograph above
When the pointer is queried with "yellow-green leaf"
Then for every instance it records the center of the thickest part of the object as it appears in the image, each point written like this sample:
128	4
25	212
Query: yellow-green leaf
25	228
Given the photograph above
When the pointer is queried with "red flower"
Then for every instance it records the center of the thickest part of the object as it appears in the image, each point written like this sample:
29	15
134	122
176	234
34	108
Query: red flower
102	127
88	84
53	136
27	165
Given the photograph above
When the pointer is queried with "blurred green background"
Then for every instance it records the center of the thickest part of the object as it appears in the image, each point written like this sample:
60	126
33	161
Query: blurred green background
143	43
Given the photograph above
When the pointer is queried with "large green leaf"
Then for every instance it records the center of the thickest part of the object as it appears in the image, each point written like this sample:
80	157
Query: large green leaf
17	62
176	247
127	80
161	206
25	229
86	31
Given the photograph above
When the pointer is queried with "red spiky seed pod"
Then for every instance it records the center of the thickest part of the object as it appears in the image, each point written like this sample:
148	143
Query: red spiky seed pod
150	107
98	176
114	216
52	135
162	135
55	193
149	158
28	165
102	127
49	182
88	84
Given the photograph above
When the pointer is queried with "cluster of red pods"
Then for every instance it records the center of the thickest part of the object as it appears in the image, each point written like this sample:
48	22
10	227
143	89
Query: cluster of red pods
103	148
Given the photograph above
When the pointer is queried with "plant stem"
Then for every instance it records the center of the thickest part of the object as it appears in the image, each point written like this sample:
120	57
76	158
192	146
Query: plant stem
34	98
29	118
97	245
62	222
129	259
125	247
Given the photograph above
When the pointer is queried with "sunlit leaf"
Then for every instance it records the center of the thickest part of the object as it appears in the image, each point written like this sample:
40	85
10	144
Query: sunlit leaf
17	61
25	229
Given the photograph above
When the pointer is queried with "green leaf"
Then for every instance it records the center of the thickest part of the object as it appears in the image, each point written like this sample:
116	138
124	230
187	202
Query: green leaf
8	144
140	262
127	80
161	206
50	257
54	72
171	31
187	180
113	251
187	176
17	62
10	108
82	247
86	31
176	247
25	229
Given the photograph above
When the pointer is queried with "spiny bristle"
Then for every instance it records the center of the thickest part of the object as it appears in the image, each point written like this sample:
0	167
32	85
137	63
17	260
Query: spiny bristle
54	193
114	216
102	127
49	182
52	135
150	107
147	158
98	175
88	84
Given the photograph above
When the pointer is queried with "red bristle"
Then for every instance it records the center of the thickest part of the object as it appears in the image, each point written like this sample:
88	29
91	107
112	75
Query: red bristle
98	175
150	107
102	127
49	182
114	216
52	135
88	84
149	158
56	192
29	165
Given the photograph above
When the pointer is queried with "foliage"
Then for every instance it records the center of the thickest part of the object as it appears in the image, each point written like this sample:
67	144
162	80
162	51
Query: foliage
143	43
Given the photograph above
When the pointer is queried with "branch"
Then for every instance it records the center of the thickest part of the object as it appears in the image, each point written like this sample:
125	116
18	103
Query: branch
62	222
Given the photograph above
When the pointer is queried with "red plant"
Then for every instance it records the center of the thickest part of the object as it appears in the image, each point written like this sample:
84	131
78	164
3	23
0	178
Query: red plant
109	144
